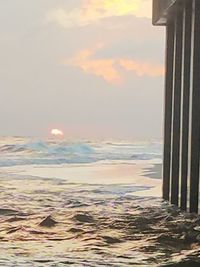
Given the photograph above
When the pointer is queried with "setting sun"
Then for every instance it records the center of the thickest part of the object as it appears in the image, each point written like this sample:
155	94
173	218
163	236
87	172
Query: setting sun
57	132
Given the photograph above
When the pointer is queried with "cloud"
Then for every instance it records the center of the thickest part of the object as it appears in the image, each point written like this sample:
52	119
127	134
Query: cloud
91	11
142	68
104	68
110	69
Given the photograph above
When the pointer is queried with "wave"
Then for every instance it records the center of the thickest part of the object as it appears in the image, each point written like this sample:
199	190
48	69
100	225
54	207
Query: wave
47	147
45	152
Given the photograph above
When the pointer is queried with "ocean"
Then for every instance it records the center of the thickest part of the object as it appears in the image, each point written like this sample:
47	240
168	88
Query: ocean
89	203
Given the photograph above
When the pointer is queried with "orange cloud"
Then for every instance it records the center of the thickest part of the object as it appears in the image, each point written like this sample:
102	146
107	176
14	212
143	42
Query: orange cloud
142	68
104	68
110	69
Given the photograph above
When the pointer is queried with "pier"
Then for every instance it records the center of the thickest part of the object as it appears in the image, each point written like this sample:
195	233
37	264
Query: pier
182	101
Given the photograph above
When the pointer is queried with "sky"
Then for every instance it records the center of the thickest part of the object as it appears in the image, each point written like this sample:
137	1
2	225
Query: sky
92	68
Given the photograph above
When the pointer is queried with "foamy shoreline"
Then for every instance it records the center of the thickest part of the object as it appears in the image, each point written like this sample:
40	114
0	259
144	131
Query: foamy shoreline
103	213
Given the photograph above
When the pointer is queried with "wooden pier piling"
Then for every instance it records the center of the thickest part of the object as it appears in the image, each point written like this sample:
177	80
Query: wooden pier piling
168	109
182	100
187	27
176	106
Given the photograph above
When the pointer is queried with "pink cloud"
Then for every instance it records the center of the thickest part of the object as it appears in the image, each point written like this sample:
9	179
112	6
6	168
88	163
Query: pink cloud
104	68
111	69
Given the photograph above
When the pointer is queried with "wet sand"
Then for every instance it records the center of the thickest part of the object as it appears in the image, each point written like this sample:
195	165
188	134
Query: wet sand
99	214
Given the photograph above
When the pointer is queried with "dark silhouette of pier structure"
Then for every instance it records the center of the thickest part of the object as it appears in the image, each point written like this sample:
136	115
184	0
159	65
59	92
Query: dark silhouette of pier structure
182	100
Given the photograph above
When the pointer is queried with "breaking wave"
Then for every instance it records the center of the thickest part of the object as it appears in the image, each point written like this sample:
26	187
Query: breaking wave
47	152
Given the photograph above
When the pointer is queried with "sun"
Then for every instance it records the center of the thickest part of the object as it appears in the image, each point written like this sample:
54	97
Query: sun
57	132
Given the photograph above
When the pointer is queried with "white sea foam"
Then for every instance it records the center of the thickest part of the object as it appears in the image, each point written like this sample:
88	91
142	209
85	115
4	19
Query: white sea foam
15	151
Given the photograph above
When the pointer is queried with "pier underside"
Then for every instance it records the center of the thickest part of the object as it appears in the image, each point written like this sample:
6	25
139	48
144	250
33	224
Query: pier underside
182	100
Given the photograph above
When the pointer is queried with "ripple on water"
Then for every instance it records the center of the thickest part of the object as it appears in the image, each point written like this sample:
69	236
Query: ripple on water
92	225
153	235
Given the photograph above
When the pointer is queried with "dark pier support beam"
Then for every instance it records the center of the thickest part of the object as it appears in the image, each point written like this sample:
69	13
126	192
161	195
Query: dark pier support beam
187	24
176	111
195	109
168	108
182	100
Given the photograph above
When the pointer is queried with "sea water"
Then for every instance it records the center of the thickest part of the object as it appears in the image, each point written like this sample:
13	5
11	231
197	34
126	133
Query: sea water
25	151
86	203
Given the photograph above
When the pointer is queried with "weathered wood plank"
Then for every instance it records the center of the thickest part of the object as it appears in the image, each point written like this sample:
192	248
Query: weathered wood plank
160	11
195	110
187	25
168	109
176	112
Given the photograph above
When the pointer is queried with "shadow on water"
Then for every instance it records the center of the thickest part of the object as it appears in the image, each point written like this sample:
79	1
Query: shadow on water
155	172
